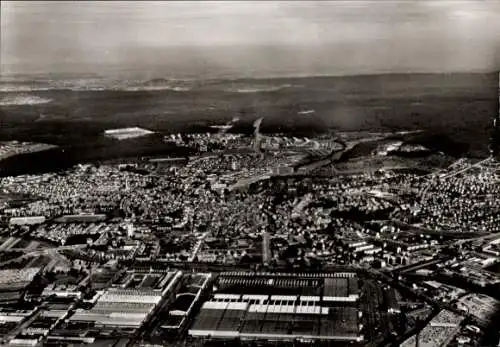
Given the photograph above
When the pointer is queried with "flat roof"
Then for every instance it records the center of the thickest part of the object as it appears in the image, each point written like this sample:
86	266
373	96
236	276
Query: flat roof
227	296
284	297
126	130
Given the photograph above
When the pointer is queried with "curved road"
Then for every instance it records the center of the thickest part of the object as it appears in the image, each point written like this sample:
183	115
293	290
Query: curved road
47	251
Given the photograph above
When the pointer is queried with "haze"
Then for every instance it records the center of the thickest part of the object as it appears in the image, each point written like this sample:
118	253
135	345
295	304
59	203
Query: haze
209	38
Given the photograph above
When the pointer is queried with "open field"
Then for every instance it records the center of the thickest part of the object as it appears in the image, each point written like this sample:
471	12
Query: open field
452	106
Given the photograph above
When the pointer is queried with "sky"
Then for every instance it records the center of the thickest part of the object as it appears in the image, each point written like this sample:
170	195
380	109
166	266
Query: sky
202	38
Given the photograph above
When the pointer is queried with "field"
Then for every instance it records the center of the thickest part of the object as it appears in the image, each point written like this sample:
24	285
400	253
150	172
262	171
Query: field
452	106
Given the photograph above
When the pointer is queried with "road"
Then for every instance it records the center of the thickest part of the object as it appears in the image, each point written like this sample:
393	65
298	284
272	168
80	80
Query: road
47	251
411	228
198	246
266	248
479	238
398	284
458	172
208	267
374	313
331	157
23	325
420	265
423	195
155	318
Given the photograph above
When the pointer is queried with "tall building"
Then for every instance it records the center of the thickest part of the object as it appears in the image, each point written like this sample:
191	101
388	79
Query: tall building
495	134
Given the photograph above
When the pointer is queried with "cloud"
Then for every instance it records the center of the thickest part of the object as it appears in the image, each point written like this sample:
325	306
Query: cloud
327	36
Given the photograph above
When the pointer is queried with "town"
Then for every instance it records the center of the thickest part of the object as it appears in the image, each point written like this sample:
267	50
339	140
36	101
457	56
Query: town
256	238
250	173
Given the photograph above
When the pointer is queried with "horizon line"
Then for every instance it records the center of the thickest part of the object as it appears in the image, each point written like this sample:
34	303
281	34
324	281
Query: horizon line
252	76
